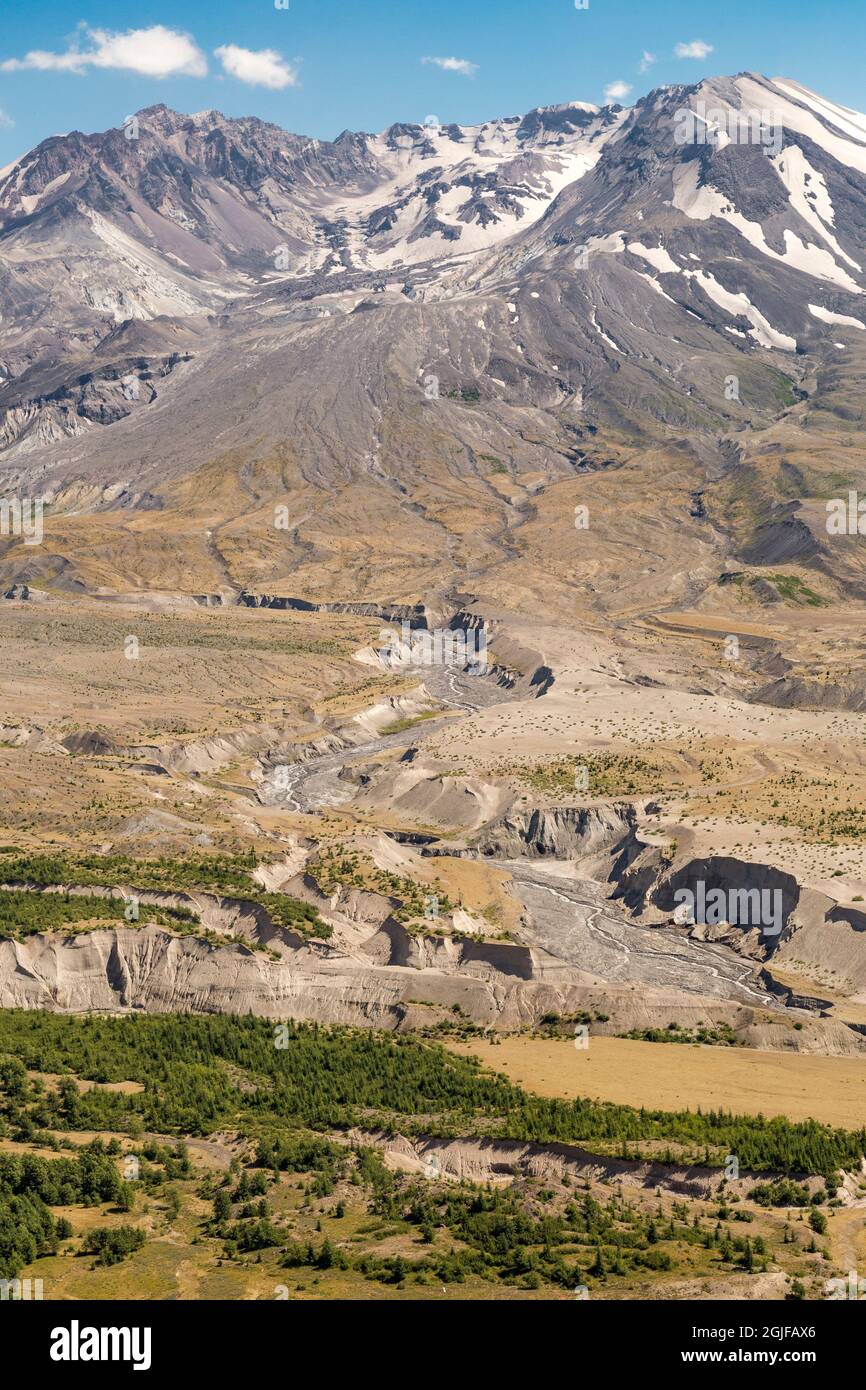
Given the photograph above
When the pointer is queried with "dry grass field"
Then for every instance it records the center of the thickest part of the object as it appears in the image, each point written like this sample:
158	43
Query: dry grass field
145	680
673	1076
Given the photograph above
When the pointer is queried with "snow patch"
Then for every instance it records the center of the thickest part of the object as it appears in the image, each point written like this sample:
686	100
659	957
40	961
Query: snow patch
794	116
827	316
657	256
702	203
656	286
601	333
610	245
762	331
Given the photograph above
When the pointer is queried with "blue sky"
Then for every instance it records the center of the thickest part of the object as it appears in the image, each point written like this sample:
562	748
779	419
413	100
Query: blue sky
321	66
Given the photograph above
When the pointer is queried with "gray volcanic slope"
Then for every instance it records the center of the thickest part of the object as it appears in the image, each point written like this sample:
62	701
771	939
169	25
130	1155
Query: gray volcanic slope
359	327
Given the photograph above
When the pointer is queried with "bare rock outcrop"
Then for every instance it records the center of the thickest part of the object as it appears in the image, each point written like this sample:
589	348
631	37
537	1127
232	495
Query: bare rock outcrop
560	832
502	1160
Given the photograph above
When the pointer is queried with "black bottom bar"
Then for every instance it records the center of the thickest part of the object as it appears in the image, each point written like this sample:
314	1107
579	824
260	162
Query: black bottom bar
259	1338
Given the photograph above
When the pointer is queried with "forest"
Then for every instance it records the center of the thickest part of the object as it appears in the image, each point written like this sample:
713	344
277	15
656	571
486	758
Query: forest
23	913
201	1073
225	875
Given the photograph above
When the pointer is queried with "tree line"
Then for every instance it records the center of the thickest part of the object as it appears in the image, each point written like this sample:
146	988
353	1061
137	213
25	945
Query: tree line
200	1073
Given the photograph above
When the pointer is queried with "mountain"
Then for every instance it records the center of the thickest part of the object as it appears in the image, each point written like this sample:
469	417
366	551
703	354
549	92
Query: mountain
176	214
423	345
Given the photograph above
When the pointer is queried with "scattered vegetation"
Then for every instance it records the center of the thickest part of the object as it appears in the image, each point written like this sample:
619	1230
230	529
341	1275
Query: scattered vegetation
228	875
609	774
110	1245
337	867
792	588
721	1035
400	726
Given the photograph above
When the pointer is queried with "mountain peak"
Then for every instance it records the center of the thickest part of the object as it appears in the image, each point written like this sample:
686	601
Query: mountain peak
191	212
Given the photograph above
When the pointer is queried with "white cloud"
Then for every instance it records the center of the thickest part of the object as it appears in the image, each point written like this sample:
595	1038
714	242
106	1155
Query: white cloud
37	59
617	91
154	52
647	60
6	121
266	68
461	65
696	49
